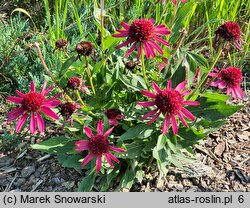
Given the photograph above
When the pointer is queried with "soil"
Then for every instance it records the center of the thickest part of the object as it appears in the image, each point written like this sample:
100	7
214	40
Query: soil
223	164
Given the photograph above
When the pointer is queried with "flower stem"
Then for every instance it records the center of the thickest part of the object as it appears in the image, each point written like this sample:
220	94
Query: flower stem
204	78
143	69
89	75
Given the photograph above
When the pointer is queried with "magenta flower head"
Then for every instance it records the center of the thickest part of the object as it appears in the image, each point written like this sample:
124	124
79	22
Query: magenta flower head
230	78
33	103
113	115
98	146
75	83
170	103
143	35
67	110
229	31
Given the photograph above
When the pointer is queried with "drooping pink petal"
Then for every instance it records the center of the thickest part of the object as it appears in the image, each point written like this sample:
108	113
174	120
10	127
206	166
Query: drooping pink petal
169	85
146	103
109	160
15	99
222	85
98	163
139	52
124	44
150	50
147	51
156	87
88	132
108	132
12	115
48	90
116	149
32	123
40	122
52	104
113	157
174	124
239	92
160	40
148	94
32	86
165	124
186	92
100	127
125	25
149	114
121	34
191	103
154	118
21	121
43	88
49	113
182	86
20	93
161	30
113	122
156	46
234	93
54	97
182	119
130	50
87	159
82	145
187	114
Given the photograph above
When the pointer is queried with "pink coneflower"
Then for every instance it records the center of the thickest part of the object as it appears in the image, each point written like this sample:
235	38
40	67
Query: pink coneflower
229	31
75	83
169	102
230	78
114	115
98	145
33	103
67	110
142	34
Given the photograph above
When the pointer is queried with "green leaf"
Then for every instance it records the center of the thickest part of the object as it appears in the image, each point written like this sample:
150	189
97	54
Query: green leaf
67	64
140	131
199	59
133	150
134	82
213	107
56	145
71	161
87	183
128	179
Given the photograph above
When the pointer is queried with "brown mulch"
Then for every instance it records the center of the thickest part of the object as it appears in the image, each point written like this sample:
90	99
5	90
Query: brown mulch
222	164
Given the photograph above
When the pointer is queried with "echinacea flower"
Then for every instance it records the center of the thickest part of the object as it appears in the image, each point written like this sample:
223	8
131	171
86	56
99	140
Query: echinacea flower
98	146
230	78
67	110
75	83
143	35
61	43
84	48
170	103
33	103
229	31
113	115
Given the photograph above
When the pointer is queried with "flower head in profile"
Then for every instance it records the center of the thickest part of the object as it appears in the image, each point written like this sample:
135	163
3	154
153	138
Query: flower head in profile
229	31
143	35
113	115
61	43
33	103
67	110
230	78
75	83
98	146
84	48
170	103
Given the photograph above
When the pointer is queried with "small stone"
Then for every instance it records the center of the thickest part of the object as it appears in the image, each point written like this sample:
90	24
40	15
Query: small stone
68	184
219	149
171	184
19	182
179	187
186	182
27	171
5	161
